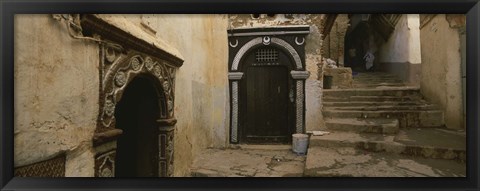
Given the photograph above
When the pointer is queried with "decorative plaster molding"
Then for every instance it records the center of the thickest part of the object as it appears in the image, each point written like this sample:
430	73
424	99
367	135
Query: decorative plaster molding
259	40
300	75
299	43
299	102
235	75
117	74
234	127
291	50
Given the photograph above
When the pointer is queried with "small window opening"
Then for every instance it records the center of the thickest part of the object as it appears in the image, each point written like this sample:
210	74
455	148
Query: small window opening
266	55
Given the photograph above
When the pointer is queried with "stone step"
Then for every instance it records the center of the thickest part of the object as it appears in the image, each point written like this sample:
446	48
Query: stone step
407	118
370	84
373	125
390	91
428	143
371	103
376	74
385	107
351	162
370	98
376	80
377	85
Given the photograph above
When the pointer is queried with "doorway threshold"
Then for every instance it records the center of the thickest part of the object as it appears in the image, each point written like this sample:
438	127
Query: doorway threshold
271	146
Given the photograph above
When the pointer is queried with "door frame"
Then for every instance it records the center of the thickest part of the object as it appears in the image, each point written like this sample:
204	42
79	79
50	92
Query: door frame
291	40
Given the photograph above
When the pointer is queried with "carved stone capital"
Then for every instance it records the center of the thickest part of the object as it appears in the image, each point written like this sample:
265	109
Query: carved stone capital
106	136
300	75
167	122
235	75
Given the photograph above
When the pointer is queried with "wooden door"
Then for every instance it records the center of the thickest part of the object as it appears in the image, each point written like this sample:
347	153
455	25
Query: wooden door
266	105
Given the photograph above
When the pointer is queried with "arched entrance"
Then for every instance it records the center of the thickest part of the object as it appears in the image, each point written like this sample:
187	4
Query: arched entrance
267	83
142	70
266	99
136	114
135	133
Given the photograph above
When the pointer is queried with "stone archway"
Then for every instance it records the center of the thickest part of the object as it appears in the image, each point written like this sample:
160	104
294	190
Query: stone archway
121	70
289	39
124	56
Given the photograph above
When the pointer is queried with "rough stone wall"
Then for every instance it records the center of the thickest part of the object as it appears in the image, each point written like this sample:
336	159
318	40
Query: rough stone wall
56	94
201	89
441	65
313	43
57	82
341	77
400	54
333	44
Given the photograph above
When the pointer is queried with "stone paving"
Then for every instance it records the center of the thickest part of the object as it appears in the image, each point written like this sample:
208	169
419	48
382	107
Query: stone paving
350	162
280	161
249	161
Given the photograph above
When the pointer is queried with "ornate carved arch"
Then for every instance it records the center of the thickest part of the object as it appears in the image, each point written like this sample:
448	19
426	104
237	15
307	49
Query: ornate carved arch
125	53
267	40
120	69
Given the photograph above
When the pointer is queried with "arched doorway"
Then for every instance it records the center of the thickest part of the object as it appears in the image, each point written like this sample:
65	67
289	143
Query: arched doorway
266	98
136	115
267	65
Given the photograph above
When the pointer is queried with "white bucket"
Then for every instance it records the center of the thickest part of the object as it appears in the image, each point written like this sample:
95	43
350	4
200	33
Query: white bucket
299	143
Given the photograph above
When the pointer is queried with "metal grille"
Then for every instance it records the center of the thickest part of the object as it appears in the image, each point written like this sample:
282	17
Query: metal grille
266	55
50	168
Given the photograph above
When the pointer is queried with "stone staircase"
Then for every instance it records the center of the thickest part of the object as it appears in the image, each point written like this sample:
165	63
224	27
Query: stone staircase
383	123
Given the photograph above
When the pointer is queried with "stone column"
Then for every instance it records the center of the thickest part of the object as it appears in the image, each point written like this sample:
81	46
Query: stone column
166	133
234	77
300	77
105	145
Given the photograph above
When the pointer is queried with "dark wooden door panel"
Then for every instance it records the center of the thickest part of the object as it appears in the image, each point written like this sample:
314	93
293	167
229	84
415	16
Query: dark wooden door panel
267	104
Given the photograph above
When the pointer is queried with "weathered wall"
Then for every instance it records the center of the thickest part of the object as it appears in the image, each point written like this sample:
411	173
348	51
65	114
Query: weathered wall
333	46
313	42
400	54
441	65
56	88
56	94
201	89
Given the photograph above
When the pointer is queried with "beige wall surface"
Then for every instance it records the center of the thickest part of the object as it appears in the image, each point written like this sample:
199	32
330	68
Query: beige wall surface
57	82
403	44
201	89
441	69
56	94
401	54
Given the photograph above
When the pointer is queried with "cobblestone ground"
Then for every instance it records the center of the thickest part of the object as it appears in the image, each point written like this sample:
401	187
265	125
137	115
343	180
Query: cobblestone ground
249	161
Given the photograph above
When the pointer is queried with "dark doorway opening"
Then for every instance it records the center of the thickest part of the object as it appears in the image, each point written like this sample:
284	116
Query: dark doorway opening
356	46
136	115
266	100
